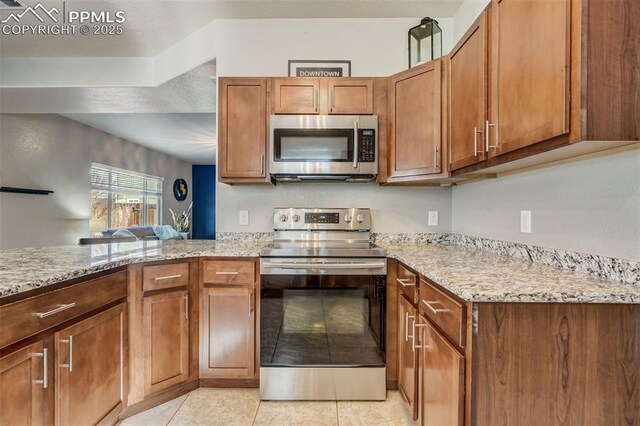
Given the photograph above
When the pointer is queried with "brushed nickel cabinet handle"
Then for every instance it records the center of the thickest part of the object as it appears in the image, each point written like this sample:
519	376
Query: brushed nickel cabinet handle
186	306
413	334
227	273
406	326
475	140
262	164
56	310
404	282
434	310
45	366
317	100
168	277
70	364
250	304
421	346
487	132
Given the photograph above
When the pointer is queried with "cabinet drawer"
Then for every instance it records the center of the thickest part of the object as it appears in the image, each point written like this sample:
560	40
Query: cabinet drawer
408	283
170	275
229	272
445	312
30	316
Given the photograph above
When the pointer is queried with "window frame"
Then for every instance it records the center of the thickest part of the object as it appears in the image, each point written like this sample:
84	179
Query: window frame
111	189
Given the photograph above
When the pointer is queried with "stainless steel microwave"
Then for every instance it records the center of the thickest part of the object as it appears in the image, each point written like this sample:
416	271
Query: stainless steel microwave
312	148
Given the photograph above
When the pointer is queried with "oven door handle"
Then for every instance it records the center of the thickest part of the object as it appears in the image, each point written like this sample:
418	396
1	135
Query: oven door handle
319	265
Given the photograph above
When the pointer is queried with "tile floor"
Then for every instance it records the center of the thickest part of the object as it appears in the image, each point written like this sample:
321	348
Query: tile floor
205	406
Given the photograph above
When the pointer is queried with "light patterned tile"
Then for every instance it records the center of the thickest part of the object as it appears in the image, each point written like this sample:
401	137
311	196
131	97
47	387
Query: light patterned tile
206	406
294	413
156	416
391	412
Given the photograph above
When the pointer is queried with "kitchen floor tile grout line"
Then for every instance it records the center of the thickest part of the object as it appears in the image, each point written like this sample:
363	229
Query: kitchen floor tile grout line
255	416
174	414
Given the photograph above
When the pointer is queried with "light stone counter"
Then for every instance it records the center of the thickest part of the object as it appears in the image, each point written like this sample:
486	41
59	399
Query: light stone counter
472	274
31	268
481	276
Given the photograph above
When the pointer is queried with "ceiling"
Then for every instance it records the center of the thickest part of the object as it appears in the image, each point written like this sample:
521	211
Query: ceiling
189	137
144	36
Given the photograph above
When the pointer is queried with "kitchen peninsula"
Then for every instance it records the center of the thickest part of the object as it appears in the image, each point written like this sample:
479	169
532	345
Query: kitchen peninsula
489	307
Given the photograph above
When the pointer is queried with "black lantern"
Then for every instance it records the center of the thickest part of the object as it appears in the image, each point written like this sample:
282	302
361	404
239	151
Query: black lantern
425	42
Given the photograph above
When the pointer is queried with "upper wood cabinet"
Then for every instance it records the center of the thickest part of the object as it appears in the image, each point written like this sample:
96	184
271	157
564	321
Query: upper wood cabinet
296	95
301	95
468	97
242	130
529	73
90	359
415	143
350	96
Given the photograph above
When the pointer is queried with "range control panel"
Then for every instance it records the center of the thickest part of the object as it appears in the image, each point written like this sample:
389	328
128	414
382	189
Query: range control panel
367	145
293	219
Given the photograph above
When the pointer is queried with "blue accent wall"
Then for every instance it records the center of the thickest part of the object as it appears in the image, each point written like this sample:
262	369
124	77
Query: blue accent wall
203	195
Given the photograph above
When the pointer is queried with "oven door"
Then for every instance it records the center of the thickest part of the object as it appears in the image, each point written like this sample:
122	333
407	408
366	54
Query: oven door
322	329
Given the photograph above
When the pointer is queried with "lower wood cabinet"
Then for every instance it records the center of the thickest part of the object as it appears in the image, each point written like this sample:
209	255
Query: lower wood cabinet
229	323
440	378
407	359
166	340
27	385
90	360
229	320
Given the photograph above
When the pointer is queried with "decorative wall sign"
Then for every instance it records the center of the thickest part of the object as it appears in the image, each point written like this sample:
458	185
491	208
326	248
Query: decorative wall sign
180	189
319	68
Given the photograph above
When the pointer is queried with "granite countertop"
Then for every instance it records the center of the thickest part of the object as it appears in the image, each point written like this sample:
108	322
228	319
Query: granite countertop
472	274
480	276
31	268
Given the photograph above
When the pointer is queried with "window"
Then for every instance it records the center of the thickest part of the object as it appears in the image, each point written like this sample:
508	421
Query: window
121	198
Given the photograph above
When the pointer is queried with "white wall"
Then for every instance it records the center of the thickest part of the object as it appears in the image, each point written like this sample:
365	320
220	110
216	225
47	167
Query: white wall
394	209
376	47
262	47
53	152
590	206
468	11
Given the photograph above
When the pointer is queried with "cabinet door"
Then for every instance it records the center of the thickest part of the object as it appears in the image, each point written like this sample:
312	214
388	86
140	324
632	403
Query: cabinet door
350	96
26	384
90	366
407	360
296	95
166	340
415	111
228	341
242	126
530	73
468	97
441	379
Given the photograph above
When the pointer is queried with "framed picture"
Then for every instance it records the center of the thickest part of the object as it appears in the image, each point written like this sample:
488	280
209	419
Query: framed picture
319	68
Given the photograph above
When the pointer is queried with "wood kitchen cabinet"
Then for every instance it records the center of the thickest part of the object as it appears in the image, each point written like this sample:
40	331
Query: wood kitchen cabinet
163	324
350	96
301	95
242	129
229	321
558	81
90	360
166	340
440	378
468	97
407	360
27	383
296	95
415	117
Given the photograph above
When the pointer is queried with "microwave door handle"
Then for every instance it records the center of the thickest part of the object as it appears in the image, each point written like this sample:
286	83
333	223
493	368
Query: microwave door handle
355	144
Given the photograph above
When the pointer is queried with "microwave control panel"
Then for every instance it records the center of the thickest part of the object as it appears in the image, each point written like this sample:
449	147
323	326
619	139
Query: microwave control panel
367	146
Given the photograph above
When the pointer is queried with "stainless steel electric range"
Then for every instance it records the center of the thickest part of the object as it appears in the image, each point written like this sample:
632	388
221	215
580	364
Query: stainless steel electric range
322	307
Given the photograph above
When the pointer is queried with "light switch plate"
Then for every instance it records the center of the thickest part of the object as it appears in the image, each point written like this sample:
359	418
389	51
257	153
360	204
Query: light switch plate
525	221
243	217
433	218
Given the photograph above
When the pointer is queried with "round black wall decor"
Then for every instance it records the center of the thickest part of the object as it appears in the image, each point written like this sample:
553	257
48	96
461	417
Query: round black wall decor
180	189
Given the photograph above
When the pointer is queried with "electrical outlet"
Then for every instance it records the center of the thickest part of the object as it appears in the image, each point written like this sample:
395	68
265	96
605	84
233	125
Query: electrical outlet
433	218
525	221
243	217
